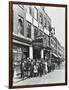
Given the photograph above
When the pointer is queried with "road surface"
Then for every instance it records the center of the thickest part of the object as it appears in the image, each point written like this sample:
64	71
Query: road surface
56	76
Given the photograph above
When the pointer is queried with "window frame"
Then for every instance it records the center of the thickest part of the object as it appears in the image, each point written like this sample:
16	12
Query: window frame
29	28
22	19
41	18
35	9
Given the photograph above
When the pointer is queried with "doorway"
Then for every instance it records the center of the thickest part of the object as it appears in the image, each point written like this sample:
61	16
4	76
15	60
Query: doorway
36	54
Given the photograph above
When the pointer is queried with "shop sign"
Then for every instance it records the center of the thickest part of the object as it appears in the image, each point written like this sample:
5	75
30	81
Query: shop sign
37	45
46	41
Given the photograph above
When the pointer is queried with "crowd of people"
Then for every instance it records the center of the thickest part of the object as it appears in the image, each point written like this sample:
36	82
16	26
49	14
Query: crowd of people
33	68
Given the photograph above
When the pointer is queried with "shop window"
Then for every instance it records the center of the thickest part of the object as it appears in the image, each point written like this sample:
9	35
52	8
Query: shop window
17	54
28	30
35	14
21	26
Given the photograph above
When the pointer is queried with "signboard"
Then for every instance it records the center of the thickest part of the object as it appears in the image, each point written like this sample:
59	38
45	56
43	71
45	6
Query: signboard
37	44
46	41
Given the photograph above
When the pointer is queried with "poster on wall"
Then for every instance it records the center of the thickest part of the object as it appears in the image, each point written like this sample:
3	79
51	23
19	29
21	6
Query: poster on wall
37	44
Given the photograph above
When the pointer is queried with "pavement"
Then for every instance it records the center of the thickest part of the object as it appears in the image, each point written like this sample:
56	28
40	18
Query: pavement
56	76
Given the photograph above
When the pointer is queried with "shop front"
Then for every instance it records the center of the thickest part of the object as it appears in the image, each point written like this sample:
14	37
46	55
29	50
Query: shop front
46	54
47	49
40	48
54	58
21	52
37	48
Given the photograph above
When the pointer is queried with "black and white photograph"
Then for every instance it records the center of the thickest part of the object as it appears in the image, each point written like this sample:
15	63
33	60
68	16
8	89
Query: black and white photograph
38	44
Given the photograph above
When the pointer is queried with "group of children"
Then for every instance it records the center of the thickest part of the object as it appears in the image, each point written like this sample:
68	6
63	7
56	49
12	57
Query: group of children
33	68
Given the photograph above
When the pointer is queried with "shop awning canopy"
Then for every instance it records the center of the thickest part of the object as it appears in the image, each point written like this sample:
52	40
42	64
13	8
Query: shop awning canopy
54	55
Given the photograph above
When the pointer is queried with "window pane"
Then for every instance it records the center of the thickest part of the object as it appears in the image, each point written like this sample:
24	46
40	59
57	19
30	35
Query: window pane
35	14
35	32
29	10
45	22
28	30
21	26
41	18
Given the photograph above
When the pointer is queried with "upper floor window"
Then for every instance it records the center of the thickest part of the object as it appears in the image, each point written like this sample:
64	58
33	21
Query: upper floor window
41	18
28	30
45	22
21	6
35	32
35	13
52	42
30	10
21	26
49	26
42	8
40	33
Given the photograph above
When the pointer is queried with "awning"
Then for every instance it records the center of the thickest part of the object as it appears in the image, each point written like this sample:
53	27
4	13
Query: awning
59	57
55	55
